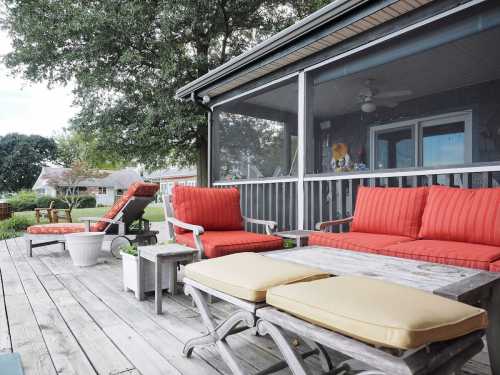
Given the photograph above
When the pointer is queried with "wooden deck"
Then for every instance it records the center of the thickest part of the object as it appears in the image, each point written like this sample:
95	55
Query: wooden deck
68	320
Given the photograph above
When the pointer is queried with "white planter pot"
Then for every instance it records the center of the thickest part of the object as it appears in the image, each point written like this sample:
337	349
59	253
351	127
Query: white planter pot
84	247
130	268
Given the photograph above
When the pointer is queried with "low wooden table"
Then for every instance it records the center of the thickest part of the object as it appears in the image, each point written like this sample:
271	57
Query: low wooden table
159	254
300	236
471	286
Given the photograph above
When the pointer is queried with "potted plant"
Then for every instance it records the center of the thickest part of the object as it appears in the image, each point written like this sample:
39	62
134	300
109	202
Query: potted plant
130	268
84	247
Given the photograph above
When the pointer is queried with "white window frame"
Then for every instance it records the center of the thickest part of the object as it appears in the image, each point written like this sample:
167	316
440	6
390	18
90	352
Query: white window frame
417	124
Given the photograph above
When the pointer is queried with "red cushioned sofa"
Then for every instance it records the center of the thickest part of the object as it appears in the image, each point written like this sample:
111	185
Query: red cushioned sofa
439	224
210	220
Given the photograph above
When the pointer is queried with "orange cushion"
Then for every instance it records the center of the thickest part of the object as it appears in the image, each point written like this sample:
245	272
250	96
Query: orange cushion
213	209
396	211
464	215
495	266
364	242
460	254
137	189
62	228
220	243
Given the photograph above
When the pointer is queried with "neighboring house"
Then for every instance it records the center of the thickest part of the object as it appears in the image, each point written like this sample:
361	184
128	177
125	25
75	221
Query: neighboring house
106	190
169	177
378	93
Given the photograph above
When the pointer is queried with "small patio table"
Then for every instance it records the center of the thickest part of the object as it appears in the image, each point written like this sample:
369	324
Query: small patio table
300	236
471	286
159	254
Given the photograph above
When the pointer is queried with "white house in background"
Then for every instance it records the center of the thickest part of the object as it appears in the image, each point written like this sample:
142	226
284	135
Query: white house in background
169	177
106	190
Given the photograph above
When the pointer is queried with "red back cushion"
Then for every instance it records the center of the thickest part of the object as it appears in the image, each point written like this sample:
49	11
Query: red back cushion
396	211
213	209
465	215
137	189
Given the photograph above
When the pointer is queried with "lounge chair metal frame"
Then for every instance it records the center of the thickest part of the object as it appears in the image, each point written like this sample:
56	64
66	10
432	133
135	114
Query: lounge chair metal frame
198	230
117	231
441	358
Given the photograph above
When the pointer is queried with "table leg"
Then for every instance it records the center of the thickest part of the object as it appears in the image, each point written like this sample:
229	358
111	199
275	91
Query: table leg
493	331
158	286
172	278
139	293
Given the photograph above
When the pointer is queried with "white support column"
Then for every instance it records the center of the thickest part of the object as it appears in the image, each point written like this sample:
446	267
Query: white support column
209	156
301	159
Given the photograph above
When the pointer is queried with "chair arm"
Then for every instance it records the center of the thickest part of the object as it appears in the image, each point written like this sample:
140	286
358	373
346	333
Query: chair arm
326	224
190	227
270	225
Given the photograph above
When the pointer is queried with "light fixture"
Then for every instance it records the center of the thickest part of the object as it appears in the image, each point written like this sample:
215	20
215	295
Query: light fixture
205	99
368	106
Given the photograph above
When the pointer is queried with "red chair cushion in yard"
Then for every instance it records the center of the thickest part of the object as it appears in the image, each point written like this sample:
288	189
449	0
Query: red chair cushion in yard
137	189
220	243
395	211
454	253
495	266
213	209
357	241
62	228
464	215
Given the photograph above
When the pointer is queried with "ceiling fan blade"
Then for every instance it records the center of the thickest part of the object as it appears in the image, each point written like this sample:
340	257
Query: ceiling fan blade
393	94
386	103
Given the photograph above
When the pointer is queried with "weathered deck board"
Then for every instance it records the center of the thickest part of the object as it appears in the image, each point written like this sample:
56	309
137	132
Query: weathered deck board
113	331
5	344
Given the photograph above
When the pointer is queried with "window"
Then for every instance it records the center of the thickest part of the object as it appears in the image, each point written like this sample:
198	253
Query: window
102	190
430	142
255	136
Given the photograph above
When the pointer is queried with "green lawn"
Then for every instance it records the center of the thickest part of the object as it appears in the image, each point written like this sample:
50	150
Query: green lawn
152	213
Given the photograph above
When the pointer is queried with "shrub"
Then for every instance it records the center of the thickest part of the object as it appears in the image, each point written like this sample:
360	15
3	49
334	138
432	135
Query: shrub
87	201
13	227
43	201
24	200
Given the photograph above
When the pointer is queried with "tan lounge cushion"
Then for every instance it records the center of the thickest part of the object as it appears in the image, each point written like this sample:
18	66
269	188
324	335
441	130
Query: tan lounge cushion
249	275
378	312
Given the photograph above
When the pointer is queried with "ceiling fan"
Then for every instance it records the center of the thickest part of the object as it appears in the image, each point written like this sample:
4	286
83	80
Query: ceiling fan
370	97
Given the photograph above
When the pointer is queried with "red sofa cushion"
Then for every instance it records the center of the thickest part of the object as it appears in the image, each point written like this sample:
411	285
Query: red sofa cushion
364	242
495	266
454	253
220	243
464	215
396	211
137	189
213	209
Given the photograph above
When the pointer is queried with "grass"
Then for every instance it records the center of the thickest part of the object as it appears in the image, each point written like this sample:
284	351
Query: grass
152	213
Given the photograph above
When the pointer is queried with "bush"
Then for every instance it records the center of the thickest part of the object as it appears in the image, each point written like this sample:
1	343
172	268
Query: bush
87	201
43	201
12	227
24	200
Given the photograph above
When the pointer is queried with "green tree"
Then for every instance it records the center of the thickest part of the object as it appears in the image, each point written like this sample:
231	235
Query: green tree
22	158
127	58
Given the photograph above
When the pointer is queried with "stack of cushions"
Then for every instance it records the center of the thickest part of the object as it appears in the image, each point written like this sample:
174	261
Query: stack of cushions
218	212
453	226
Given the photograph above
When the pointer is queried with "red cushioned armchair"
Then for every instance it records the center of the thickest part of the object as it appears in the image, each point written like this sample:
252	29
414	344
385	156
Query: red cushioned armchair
210	220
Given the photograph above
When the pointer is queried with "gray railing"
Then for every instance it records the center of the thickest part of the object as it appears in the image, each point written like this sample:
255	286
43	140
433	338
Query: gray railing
333	197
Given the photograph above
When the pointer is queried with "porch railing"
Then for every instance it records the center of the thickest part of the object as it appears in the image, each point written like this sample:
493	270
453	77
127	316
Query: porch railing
332	197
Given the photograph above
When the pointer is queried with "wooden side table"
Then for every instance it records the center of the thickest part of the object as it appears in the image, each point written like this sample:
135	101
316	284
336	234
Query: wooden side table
160	254
301	237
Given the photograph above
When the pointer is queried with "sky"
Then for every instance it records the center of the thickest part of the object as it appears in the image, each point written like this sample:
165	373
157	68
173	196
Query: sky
31	108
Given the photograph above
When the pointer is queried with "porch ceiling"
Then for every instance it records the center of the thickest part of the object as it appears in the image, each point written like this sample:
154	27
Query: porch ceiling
208	82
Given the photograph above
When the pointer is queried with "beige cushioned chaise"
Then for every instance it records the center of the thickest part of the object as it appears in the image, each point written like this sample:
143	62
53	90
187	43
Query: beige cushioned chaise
248	275
378	312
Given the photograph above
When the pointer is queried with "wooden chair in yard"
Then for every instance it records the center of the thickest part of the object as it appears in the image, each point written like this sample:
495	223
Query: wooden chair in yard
210	220
116	223
44	213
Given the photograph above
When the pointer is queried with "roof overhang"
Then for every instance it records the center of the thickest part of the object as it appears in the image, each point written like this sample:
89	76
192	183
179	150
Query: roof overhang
237	71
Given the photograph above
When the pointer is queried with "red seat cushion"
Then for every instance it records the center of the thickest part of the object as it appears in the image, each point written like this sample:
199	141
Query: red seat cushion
220	243
364	242
495	266
464	215
396	211
137	189
454	253
212	208
62	228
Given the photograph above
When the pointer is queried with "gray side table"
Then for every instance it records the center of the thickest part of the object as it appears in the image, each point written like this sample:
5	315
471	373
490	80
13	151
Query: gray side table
301	237
169	254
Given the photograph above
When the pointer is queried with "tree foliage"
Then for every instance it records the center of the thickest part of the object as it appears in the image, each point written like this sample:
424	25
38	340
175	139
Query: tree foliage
127	58
22	158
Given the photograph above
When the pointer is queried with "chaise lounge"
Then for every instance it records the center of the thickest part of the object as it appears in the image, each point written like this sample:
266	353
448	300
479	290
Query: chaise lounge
439	224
